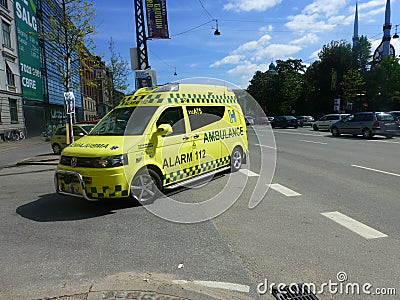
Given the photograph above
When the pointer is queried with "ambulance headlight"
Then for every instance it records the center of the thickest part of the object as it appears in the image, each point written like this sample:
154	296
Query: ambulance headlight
111	161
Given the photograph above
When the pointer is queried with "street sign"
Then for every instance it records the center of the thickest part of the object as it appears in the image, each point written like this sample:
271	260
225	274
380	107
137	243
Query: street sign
69	99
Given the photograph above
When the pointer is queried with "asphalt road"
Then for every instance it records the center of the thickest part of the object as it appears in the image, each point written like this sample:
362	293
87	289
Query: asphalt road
332	207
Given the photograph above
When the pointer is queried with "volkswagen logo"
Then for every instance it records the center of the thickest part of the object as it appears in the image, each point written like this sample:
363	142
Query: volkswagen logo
74	162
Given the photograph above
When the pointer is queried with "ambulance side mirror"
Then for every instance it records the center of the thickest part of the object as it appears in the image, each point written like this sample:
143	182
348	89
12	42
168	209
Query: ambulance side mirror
164	129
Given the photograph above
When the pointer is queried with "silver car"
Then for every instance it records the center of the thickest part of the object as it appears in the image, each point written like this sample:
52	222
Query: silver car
367	124
326	121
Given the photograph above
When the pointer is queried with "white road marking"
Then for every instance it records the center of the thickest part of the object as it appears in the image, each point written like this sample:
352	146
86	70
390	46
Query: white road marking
313	142
355	226
219	285
375	170
298	133
264	146
382	141
248	173
283	190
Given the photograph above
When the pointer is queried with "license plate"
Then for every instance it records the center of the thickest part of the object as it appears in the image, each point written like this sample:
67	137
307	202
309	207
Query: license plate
73	189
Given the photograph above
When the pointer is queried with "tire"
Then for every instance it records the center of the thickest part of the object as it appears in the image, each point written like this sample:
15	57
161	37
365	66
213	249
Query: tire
315	127
335	131
236	159
295	127
56	149
14	136
389	136
366	133
146	186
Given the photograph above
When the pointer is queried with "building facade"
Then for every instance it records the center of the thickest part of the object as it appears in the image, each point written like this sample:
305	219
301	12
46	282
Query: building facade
88	86
11	113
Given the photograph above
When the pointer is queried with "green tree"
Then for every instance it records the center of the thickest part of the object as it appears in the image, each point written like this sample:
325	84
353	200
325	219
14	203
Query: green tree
69	36
383	85
362	55
67	39
353	87
327	73
117	83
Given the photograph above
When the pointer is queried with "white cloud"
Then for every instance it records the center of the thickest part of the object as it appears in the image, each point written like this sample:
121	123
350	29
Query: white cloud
327	7
308	23
228	60
310	38
370	4
268	28
249	5
246	71
314	55
276	51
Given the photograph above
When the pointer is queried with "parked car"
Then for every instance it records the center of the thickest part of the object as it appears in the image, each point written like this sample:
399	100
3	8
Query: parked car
396	114
59	138
326	121
249	120
367	124
262	120
305	120
284	122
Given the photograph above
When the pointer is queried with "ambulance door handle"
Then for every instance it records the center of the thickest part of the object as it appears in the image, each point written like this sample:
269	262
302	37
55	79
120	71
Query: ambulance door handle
185	138
196	136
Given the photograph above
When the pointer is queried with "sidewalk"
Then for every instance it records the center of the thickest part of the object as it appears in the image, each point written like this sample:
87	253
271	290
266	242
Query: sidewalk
147	286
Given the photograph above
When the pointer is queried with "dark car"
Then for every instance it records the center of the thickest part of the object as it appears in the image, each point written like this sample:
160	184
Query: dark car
396	114
284	122
305	120
367	124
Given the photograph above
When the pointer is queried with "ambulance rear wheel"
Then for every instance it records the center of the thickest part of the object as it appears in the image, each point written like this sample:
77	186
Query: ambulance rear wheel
146	186
236	159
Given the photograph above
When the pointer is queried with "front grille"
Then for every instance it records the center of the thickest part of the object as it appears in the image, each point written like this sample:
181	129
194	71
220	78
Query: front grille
293	292
85	162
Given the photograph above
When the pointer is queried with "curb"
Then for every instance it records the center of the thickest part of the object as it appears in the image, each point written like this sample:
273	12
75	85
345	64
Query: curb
37	160
147	286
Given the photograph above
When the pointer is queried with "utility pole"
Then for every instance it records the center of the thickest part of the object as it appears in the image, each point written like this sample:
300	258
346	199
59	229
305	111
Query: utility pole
69	124
141	39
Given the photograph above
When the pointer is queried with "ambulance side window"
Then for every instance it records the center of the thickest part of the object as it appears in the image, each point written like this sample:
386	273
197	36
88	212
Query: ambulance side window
174	117
200	116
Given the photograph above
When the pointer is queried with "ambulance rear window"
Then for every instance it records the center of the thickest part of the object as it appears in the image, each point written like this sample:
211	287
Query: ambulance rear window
131	120
200	116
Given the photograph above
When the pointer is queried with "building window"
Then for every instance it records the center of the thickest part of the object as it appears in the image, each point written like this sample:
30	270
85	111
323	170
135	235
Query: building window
10	76
6	34
13	111
4	3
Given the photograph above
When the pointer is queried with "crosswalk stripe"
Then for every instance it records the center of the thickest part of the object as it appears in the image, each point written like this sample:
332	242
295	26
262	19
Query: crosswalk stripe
248	173
284	190
354	225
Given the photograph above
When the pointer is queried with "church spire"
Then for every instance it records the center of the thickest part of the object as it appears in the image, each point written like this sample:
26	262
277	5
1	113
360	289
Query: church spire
355	34
386	31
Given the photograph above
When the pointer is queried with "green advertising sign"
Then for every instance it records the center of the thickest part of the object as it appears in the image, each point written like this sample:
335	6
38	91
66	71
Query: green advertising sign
28	49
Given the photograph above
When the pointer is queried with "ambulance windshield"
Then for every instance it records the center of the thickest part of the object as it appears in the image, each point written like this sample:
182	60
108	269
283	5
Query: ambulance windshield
119	122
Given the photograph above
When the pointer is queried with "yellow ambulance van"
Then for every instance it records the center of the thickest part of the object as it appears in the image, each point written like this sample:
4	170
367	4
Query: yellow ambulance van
155	139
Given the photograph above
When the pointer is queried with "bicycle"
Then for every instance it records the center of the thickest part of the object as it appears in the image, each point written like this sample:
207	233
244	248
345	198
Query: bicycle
14	135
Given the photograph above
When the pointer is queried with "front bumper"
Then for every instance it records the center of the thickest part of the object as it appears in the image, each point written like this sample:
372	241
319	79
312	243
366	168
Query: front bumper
94	188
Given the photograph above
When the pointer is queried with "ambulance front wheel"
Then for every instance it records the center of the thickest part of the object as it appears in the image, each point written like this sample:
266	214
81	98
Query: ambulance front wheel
146	186
236	159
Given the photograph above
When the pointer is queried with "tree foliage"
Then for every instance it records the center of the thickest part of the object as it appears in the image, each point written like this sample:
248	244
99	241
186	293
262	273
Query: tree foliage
118	68
68	36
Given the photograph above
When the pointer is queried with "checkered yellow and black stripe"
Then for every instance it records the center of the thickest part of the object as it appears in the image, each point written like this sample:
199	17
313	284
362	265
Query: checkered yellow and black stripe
115	191
200	98
178	98
174	177
106	192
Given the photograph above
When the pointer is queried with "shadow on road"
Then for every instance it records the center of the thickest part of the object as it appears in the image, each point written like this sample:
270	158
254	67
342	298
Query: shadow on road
54	207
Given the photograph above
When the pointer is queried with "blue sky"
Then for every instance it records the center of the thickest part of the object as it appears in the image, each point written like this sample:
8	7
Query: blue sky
253	33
